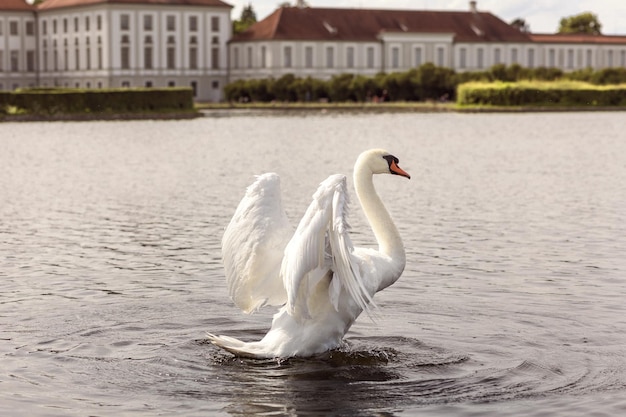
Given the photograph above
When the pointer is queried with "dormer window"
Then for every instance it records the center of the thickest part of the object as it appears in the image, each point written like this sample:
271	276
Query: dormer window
331	29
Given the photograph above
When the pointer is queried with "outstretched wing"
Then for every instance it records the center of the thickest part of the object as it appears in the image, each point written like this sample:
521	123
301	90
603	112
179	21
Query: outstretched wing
320	243
253	246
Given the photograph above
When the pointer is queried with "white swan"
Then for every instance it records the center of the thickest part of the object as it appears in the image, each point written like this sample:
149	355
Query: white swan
322	280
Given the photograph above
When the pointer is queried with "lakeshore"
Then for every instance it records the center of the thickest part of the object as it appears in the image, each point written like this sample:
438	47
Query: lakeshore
299	108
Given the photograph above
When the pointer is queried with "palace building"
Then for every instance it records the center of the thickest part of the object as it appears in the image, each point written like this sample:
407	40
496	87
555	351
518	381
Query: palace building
115	43
159	43
322	42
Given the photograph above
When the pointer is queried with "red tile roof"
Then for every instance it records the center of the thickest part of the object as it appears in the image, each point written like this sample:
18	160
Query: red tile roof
577	38
58	4
16	5
311	23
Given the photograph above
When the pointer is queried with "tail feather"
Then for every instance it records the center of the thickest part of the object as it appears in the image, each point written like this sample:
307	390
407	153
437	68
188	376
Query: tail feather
238	347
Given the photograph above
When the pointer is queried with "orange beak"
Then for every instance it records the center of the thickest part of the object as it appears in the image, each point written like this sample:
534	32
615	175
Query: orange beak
395	169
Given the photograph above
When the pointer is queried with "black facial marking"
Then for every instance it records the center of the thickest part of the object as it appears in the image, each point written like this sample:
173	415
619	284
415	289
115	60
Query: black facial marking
391	159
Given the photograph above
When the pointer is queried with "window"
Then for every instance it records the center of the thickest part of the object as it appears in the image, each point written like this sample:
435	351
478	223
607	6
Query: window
551	58
480	58
1	31
531	58
570	58
395	57
88	54
263	57
148	84
194	87
171	53
215	53
171	84
370	57
65	25
13	28
589	58
418	57
124	22
350	57
66	56
99	52
193	53
44	27
54	27
330	57
440	56
193	23
87	24
610	58
308	57
30	28
462	58
30	61
147	53
514	59
1	60
215	85
215	57
497	56
125	52
14	61
235	57
147	22
249	56
215	24
171	23
98	22
77	54
287	56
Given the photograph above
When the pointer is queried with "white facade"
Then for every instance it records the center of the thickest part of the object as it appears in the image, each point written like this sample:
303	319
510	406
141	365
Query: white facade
109	45
18	46
398	52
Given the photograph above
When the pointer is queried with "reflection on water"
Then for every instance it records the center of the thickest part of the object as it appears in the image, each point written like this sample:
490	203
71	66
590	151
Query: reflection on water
511	302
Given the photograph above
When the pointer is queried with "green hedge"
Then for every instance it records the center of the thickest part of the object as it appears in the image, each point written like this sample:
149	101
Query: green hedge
427	82
565	93
71	101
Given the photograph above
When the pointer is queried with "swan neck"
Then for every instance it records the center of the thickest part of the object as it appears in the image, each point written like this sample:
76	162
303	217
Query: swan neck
385	231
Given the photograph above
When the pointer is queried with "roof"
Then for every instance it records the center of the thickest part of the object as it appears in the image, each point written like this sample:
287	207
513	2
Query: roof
16	5
58	4
578	38
311	23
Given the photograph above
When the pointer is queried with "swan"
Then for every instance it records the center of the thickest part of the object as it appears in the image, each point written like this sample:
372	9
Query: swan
320	279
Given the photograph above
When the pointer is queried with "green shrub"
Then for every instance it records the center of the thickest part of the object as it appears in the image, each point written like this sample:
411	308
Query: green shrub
566	93
69	101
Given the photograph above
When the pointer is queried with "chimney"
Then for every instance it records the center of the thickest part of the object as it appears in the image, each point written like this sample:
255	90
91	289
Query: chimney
473	7
300	4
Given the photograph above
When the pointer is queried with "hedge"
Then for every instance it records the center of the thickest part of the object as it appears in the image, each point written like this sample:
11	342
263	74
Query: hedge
565	93
72	101
427	82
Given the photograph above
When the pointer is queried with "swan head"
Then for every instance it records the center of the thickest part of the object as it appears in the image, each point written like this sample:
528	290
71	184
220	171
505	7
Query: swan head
379	161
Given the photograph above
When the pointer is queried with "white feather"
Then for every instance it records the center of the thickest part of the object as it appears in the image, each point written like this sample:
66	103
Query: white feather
253	245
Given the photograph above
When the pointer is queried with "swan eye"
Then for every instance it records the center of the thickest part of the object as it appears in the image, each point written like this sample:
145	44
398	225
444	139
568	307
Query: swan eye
390	160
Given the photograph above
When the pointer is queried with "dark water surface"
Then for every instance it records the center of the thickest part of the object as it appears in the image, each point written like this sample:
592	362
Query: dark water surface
513	301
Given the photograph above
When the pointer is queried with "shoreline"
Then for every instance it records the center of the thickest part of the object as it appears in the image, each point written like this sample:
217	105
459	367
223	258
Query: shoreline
296	109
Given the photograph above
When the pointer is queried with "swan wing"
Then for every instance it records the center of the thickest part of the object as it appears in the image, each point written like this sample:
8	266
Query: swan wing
253	246
321	243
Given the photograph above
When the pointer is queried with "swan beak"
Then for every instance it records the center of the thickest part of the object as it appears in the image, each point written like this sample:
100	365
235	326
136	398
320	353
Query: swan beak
395	169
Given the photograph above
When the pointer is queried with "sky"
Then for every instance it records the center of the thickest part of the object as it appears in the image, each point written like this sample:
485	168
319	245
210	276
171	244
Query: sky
542	16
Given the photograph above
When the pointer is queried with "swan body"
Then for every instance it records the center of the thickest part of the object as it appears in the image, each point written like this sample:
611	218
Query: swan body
320	279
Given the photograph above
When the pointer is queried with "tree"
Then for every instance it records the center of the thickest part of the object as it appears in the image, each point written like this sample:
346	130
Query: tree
586	22
521	25
247	19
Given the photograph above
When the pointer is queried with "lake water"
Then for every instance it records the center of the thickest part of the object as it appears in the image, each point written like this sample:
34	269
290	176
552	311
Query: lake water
513	301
